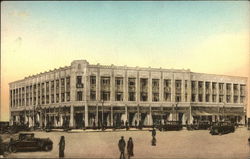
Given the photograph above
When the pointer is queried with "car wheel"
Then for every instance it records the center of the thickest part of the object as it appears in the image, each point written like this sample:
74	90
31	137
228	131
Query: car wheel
12	148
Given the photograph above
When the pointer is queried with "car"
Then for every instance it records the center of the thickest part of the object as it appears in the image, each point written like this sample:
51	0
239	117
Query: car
220	128
171	125
27	142
202	125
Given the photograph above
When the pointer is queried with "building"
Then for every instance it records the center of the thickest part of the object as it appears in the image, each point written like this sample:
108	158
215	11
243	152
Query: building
86	95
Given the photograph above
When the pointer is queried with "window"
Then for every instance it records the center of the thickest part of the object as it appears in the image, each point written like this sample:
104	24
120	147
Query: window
79	96
68	96
207	97
144	96
167	97
119	97
105	96
92	95
178	98
79	82
214	98
200	97
131	96
155	97
62	97
220	98
92	80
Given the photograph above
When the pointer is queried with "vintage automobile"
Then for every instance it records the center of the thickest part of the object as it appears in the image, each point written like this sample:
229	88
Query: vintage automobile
4	127
17	127
171	125
220	128
27	142
202	125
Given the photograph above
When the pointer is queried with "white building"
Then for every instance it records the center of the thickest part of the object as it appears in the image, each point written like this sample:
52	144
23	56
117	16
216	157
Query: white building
83	94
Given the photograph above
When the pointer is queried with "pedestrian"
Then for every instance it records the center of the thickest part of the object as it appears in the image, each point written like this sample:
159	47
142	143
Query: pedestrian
130	147
61	147
126	124
153	141
122	145
153	132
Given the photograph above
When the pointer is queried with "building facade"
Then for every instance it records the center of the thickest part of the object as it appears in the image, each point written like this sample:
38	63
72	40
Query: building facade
85	95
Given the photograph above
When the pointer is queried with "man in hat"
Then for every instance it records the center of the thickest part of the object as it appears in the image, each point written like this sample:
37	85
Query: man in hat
122	145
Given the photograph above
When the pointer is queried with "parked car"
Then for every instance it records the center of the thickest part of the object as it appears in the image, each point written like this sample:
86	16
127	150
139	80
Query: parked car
222	128
4	127
27	142
17	127
171	125
202	125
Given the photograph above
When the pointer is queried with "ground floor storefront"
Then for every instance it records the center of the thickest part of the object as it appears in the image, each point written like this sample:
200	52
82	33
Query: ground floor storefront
115	116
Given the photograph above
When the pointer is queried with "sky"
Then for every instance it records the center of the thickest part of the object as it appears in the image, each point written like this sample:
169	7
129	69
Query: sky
206	37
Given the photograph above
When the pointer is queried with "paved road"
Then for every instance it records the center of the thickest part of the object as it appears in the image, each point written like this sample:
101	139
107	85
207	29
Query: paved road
171	144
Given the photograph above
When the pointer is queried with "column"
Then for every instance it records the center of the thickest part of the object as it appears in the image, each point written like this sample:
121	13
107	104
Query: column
238	93
45	117
225	92
161	85
190	121
232	93
125	87
98	90
71	116
13	97
204	92
150	116
173	88
36	93
137	88
112	116
150	87
86	115
112	86
49	92
21	95
197	91
97	115
138	114
189	92
211	91
217	92
126	113
60	91
183	90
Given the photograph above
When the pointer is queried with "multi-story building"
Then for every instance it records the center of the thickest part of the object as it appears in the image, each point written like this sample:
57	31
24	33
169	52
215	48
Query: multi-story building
86	95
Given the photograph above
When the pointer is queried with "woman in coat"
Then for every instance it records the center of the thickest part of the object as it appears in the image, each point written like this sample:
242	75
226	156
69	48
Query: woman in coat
61	147
130	147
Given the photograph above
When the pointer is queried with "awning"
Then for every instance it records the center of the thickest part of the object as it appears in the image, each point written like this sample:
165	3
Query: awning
202	113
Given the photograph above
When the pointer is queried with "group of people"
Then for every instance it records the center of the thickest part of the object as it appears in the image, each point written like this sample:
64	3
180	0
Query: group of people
130	147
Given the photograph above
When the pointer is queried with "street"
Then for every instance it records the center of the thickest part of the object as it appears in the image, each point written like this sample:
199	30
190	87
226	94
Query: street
170	144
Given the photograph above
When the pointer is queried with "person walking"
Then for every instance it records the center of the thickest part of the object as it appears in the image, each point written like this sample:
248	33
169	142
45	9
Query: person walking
122	145
130	148
153	132
61	147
